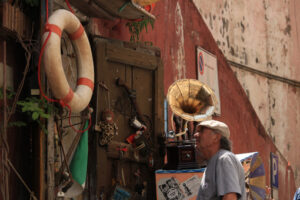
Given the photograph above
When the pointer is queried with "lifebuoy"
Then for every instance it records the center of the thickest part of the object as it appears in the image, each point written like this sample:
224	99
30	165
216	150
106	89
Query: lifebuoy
63	20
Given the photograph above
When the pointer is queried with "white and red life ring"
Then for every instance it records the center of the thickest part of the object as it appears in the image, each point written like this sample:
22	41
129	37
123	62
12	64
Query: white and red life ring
63	20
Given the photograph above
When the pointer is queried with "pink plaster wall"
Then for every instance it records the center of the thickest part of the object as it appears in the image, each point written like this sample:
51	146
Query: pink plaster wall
263	35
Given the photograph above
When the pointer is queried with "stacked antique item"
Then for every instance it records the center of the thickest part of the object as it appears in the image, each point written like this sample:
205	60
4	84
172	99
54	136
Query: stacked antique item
191	101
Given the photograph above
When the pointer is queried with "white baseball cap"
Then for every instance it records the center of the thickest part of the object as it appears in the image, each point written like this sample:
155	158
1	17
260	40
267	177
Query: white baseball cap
220	127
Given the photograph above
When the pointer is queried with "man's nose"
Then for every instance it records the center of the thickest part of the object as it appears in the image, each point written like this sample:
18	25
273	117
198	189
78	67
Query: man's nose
197	135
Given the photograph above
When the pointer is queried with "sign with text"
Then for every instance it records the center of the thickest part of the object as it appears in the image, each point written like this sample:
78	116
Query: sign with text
207	72
274	170
178	184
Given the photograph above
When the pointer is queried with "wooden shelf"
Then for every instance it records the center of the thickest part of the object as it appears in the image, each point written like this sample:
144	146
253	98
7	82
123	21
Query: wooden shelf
108	9
5	33
13	22
91	9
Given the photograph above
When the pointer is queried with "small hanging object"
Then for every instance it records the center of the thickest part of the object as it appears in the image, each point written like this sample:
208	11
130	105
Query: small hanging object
140	186
151	160
135	123
121	193
106	127
66	182
140	144
122	150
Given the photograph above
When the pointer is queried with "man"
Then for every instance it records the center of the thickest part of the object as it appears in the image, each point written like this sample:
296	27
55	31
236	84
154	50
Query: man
297	195
224	176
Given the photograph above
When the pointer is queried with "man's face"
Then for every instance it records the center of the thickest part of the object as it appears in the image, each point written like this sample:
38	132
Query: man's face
205	137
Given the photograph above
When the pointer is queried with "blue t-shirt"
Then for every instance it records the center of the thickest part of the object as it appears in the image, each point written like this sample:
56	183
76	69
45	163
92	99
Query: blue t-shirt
224	174
297	195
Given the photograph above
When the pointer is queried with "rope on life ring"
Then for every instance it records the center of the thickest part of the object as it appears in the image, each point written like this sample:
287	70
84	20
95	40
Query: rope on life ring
63	20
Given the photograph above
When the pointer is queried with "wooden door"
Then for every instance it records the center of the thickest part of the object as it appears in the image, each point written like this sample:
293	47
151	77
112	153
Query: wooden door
120	163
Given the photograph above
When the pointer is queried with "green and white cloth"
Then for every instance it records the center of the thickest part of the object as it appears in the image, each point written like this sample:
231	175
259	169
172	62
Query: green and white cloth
78	166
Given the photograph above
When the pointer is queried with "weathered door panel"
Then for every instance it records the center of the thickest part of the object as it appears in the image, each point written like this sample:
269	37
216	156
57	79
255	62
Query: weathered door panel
140	68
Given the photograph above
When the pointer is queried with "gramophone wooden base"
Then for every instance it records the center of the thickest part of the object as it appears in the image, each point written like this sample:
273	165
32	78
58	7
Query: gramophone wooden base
181	156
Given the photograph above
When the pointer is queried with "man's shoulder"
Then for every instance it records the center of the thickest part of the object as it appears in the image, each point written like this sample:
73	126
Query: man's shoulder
225	155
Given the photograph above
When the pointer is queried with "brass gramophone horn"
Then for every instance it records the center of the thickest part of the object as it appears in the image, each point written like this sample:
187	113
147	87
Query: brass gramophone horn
191	100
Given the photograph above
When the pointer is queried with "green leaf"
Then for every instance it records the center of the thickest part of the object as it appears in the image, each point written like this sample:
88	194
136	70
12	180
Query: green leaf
43	127
152	23
146	28
135	28
9	93
35	115
45	115
16	124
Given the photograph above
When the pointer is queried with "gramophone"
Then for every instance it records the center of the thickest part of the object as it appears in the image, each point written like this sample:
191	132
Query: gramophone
190	101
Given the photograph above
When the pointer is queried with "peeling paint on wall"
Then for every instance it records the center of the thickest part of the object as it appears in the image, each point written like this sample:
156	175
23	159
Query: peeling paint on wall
179	60
263	35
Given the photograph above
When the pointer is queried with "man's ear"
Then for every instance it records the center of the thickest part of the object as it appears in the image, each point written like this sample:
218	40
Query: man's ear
217	137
